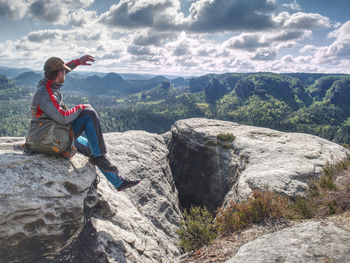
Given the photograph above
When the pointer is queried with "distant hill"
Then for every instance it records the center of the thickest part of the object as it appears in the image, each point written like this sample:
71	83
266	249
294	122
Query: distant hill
11	72
5	83
102	84
131	76
179	82
28	79
110	84
143	85
9	90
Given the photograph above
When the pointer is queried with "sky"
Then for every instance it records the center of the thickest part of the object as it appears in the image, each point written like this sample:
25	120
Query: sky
187	37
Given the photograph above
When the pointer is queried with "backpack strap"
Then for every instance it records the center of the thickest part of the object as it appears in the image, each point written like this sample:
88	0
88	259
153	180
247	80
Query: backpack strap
72	151
50	135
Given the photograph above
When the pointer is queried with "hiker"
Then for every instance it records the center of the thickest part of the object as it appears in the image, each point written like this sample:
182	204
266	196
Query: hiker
54	128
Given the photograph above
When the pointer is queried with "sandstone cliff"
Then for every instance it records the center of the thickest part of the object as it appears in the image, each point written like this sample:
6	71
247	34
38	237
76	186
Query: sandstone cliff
43	200
59	211
221	170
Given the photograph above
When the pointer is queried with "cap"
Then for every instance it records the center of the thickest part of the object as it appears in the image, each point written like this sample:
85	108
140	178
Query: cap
55	63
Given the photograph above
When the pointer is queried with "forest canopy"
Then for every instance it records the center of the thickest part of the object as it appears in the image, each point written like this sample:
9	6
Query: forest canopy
298	102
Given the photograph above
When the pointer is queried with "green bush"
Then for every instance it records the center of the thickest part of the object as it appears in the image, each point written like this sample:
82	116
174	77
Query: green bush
197	228
301	208
226	137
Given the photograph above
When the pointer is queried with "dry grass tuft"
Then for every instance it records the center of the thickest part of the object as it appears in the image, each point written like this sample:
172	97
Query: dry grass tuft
328	195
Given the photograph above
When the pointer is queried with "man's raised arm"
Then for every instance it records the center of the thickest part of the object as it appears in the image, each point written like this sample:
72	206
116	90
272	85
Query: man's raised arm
84	60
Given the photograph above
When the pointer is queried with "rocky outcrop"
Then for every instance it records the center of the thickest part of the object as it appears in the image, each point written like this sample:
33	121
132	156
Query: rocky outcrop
138	225
41	202
51	209
59	211
306	242
210	170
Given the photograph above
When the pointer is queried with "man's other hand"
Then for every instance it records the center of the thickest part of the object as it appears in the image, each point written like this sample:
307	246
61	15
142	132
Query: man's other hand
85	59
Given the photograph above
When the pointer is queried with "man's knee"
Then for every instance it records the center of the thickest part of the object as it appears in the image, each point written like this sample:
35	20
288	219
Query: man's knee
89	111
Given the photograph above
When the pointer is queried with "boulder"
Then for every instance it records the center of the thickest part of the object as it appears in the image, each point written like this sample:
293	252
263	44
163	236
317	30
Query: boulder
41	202
306	242
51	210
211	171
138	225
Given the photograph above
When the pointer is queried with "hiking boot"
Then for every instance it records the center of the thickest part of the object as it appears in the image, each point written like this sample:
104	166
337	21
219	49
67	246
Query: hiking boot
103	163
26	149
127	184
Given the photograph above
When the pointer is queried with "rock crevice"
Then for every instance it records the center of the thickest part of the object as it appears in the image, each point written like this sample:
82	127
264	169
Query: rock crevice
212	172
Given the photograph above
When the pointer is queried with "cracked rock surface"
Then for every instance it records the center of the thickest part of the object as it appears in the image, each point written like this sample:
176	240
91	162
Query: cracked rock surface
306	242
223	170
51	210
41	202
139	224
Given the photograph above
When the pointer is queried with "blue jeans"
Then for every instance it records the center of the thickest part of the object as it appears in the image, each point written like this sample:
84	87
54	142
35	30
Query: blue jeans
89	123
93	142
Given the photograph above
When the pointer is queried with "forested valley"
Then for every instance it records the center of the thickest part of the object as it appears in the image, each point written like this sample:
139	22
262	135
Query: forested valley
298	102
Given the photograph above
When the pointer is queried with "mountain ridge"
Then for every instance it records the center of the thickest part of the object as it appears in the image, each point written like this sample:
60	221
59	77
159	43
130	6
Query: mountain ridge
297	102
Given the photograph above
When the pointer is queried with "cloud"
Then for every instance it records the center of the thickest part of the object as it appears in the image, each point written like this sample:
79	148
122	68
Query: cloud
131	14
303	59
302	20
41	36
158	36
293	5
48	11
181	50
182	46
252	41
246	41
265	54
308	48
288	44
78	4
288	35
341	33
55	36
287	59
66	12
223	15
139	51
340	49
335	52
79	18
204	15
152	38
206	51
13	9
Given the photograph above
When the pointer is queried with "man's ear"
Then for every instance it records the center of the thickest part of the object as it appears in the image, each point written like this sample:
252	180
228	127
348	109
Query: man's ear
61	73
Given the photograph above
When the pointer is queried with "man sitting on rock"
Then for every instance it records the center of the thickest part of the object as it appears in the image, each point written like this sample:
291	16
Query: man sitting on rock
53	123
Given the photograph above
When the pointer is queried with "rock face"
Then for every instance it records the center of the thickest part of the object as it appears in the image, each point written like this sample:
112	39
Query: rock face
307	242
41	202
210	171
50	210
138	225
58	211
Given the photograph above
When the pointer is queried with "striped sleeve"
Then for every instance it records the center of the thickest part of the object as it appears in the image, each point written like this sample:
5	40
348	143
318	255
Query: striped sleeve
52	108
73	64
